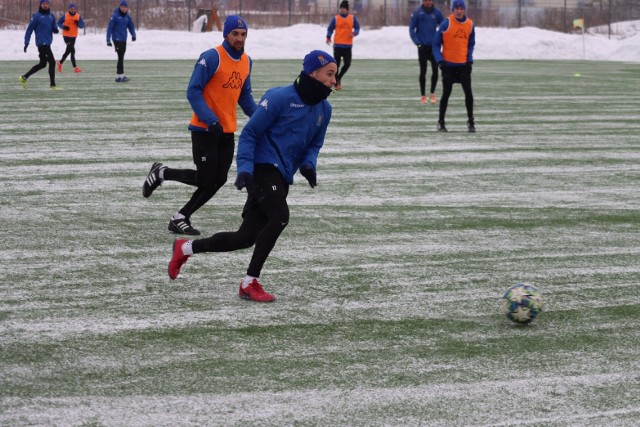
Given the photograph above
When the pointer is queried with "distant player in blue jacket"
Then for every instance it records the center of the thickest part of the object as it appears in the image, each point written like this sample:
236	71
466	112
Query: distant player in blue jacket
422	29
282	136
119	23
43	23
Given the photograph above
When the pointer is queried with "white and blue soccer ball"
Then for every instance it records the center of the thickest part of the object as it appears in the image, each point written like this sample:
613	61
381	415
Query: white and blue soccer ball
522	303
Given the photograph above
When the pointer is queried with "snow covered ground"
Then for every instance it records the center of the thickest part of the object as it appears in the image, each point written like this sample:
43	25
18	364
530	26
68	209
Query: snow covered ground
386	43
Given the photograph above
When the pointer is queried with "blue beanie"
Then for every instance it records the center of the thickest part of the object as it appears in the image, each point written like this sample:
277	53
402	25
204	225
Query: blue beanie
233	22
316	59
44	1
72	5
124	3
458	3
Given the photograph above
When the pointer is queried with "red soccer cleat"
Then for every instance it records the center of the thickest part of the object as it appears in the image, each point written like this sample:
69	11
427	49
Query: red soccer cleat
432	98
59	64
77	70
178	259
254	292
423	100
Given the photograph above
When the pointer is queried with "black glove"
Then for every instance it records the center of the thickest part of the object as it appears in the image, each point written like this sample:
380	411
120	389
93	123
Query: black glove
109	44
216	130
469	66
64	27
442	66
419	46
310	174
25	48
133	38
244	179
75	22
55	30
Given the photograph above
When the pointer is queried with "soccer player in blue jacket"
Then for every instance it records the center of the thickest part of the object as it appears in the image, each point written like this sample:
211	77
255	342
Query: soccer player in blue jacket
119	23
422	29
43	23
282	136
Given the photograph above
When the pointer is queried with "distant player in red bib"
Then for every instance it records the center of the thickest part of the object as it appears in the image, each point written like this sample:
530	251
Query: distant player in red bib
220	81
69	24
347	27
453	50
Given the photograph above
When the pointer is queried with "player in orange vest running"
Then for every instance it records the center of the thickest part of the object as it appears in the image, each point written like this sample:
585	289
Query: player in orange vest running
69	24
453	49
220	81
347	27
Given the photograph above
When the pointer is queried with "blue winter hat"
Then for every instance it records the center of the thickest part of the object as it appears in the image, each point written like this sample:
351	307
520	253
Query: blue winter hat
72	5
233	22
458	3
316	59
44	1
124	3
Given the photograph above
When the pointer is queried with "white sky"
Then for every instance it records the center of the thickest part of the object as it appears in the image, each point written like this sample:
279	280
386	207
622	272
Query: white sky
386	43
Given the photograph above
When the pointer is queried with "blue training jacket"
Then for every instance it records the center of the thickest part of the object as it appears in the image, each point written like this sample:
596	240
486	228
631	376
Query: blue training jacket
284	132
118	26
44	25
423	25
201	76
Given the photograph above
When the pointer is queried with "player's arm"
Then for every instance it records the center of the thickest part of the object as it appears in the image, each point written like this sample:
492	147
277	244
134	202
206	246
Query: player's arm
203	71
132	29
472	44
332	26
356	26
246	101
413	29
265	115
310	156
112	23
437	42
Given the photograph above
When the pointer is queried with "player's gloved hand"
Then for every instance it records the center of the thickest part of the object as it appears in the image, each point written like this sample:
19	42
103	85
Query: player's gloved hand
55	30
309	173
442	66
25	48
75	22
64	27
469	66
133	38
419	46
244	179
109	44
216	129
329	41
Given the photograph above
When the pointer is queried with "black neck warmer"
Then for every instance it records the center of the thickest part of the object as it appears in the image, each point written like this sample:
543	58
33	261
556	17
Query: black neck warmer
44	12
311	90
428	9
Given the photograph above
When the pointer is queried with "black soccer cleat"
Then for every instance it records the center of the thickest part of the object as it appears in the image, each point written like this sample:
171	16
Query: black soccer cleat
471	127
153	180
441	127
182	226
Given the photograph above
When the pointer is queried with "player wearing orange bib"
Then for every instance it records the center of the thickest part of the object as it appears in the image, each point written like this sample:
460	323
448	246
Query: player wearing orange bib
453	50
220	81
346	27
69	24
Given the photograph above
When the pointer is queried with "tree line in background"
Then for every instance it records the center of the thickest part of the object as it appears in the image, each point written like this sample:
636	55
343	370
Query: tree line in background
553	15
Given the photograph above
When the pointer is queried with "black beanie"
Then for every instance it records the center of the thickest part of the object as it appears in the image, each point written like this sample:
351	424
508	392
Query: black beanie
344	4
